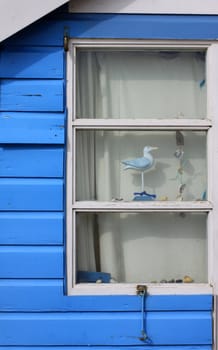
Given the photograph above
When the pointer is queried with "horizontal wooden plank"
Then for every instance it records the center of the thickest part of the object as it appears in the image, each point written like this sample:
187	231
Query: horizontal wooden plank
32	95
34	128
184	347
117	328
143	26
41	33
31	262
31	228
48	295
196	27
31	161
31	194
31	62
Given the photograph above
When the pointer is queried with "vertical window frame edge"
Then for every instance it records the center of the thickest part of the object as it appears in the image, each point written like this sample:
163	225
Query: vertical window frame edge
126	288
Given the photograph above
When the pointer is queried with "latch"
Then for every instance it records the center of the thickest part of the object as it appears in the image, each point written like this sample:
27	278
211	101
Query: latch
141	290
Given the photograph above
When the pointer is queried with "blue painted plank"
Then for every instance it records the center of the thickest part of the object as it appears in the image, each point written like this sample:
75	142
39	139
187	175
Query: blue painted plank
183	347
31	262
32	95
116	328
32	62
31	195
118	26
48	295
31	161
34	128
31	228
41	33
191	347
143	26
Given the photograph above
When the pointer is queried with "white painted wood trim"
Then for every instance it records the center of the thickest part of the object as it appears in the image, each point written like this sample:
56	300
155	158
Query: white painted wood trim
137	44
137	206
201	206
159	124
69	169
212	88
130	289
200	7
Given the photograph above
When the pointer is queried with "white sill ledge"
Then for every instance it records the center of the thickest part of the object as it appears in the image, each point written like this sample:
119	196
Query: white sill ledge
152	289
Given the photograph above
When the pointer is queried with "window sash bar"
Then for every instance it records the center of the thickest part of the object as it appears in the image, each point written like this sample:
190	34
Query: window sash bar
151	206
153	124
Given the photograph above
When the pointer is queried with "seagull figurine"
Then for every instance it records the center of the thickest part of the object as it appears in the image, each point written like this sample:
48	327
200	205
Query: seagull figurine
141	164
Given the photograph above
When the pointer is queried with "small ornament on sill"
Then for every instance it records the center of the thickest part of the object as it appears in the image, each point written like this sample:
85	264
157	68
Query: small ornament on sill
163	198
143	196
142	164
188	279
117	199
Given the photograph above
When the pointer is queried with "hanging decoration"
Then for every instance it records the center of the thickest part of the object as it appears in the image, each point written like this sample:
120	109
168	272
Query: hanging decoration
179	154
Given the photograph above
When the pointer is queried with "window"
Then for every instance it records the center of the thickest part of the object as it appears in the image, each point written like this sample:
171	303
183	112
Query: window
139	204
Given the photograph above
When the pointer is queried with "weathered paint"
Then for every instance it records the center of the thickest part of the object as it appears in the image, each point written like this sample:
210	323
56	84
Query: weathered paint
37	295
117	328
32	95
35	310
32	128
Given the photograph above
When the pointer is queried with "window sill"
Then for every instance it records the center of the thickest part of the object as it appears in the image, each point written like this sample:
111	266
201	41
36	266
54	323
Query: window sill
152	289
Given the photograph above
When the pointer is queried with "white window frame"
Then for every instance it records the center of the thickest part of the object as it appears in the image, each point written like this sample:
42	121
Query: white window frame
210	124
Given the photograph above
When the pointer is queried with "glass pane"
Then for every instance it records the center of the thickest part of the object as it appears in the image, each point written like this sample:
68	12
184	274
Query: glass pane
116	165
140	84
145	247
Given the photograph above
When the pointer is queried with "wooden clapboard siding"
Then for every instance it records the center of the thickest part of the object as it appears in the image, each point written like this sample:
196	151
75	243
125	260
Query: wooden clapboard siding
32	295
184	347
31	194
31	62
32	95
32	128
31	161
43	228
51	32
118	328
35	312
31	262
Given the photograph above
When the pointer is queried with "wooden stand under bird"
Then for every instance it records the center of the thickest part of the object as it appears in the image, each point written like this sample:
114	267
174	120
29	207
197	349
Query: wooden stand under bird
141	164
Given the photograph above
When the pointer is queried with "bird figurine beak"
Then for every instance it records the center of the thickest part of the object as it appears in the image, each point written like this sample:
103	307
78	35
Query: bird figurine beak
154	148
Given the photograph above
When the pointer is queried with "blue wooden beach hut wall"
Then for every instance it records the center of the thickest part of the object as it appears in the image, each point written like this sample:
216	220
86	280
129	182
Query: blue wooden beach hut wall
35	310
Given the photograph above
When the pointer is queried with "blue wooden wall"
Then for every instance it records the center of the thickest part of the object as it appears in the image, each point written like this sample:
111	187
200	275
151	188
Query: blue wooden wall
34	310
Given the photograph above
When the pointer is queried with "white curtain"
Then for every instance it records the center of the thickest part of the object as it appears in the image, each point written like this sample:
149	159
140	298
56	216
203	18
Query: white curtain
127	84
